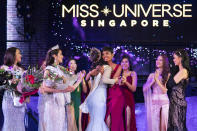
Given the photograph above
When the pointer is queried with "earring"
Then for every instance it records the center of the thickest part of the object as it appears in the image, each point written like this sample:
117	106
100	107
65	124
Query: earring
55	61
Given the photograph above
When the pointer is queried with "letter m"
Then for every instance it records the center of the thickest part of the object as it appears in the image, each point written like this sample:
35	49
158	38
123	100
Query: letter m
64	10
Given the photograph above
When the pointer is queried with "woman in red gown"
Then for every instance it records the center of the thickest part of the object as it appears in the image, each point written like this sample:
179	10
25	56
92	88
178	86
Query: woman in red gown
115	99
128	86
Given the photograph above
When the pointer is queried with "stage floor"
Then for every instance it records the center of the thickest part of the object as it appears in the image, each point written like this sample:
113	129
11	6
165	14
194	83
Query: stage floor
139	111
191	114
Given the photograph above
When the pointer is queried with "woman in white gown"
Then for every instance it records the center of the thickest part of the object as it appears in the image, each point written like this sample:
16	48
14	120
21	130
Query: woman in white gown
54	100
95	103
13	110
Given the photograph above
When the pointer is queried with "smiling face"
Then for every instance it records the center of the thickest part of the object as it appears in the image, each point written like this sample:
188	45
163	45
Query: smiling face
107	56
18	56
125	64
72	65
177	59
159	62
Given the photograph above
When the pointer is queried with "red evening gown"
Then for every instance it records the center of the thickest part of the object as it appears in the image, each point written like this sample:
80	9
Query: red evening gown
115	106
129	102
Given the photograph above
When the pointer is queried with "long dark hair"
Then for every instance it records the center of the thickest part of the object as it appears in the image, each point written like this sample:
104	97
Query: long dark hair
49	58
10	56
185	59
166	69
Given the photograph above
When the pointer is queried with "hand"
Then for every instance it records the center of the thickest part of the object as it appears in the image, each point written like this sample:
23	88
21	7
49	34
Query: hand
124	79
156	76
69	89
116	80
94	72
156	73
81	75
102	70
84	73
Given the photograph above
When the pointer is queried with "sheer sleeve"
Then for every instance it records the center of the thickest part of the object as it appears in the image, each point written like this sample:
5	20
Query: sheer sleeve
48	80
106	76
148	102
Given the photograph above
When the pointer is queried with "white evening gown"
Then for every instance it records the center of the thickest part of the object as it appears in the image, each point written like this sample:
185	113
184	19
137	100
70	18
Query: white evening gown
95	103
13	110
52	106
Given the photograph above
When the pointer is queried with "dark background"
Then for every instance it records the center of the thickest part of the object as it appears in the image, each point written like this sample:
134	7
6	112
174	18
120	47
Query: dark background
181	29
45	28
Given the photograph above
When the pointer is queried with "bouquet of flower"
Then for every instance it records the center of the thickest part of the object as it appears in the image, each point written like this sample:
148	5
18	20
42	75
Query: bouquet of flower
65	70
30	82
10	77
53	77
5	76
32	79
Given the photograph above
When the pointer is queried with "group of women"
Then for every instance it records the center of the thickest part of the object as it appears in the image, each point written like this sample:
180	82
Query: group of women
110	101
167	112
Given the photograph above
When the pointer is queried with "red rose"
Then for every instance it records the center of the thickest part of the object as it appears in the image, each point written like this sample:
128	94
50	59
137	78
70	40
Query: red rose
67	69
30	78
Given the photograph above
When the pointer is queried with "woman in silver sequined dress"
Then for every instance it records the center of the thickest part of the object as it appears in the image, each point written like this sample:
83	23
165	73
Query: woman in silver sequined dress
54	100
13	111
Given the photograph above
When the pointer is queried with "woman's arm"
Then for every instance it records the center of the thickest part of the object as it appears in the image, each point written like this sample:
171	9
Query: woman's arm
106	76
79	79
84	86
45	89
160	84
50	89
132	86
88	76
150	81
182	74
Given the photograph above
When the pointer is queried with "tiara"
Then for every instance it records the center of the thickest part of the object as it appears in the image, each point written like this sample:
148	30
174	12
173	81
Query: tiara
53	48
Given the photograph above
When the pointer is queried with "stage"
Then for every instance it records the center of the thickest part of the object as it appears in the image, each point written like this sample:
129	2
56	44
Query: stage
139	112
191	114
141	30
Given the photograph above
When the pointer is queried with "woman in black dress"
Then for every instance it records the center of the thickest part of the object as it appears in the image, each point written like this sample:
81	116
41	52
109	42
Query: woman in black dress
177	84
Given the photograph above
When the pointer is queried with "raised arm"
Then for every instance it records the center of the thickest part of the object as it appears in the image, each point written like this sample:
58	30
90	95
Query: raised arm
132	86
84	86
106	76
150	81
79	79
182	74
160	84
